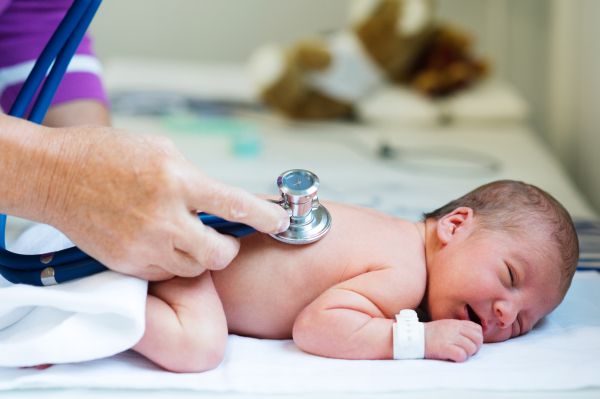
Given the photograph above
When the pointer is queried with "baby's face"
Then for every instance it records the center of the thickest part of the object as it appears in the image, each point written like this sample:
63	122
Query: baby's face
504	284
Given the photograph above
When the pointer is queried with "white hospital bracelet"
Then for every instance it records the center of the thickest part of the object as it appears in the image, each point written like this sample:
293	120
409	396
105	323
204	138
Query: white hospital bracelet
408	336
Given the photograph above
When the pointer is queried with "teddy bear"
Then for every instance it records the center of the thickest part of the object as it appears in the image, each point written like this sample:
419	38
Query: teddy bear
387	41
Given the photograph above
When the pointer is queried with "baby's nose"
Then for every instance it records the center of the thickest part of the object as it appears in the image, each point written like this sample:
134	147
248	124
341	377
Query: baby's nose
505	312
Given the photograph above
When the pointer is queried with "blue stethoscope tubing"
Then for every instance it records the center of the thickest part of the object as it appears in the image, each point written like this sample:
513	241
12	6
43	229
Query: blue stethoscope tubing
60	50
71	263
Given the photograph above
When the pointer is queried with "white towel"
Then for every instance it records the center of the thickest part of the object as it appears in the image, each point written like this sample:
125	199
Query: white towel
562	352
85	319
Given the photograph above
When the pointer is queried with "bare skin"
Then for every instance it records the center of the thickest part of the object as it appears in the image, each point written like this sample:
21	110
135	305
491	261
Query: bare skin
77	113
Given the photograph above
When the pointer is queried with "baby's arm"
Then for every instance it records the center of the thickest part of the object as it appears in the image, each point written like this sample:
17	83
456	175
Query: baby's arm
353	320
186	330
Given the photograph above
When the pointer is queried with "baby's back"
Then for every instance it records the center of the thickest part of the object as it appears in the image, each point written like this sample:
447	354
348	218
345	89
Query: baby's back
269	282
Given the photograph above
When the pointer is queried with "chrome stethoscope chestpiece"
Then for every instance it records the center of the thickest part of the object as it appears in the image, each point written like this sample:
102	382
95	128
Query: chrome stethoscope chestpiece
309	220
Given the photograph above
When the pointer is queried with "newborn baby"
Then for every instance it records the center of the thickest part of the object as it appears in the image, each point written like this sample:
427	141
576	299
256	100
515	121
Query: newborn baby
485	268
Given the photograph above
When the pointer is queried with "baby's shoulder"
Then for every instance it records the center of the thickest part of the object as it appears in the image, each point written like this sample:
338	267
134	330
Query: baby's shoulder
381	232
404	243
377	239
388	249
398	267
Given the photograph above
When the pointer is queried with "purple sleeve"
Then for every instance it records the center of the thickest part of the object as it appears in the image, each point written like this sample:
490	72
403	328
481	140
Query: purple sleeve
25	28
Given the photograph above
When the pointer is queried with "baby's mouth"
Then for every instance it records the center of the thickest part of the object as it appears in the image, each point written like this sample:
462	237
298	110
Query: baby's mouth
473	316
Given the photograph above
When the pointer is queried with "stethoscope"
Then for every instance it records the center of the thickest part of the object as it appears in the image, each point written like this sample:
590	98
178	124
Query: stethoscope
309	220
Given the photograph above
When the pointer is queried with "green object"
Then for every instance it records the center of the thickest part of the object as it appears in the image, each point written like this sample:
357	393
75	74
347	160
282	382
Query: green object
244	135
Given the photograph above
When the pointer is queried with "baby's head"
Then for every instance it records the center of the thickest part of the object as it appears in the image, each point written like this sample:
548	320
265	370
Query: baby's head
502	256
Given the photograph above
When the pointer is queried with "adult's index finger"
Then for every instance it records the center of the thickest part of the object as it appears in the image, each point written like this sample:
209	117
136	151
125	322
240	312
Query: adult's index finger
237	205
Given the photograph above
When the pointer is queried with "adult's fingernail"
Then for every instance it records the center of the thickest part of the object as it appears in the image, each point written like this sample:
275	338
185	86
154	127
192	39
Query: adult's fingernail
284	224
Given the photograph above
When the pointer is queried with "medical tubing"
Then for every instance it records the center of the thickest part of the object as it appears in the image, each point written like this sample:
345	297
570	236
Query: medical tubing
82	268
73	263
2	231
33	262
60	65
233	229
223	226
30	277
207	218
69	255
44	61
62	273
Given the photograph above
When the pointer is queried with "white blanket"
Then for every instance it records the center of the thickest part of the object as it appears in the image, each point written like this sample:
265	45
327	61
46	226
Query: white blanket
562	352
85	319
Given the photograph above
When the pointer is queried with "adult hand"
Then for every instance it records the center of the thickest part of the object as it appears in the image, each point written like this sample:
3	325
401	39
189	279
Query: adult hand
454	340
130	201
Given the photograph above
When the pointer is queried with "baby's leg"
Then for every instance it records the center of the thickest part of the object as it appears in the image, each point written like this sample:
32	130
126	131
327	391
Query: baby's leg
186	330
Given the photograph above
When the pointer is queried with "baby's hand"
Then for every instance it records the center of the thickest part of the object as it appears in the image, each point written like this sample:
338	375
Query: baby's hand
454	340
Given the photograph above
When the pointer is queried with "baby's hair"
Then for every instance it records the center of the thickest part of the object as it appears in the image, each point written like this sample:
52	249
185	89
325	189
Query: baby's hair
512	207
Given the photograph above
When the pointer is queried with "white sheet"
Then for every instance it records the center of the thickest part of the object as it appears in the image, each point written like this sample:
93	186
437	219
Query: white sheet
77	321
561	352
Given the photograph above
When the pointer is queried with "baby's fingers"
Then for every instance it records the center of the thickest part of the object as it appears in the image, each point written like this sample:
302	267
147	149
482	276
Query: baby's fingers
461	350
468	345
474	335
456	353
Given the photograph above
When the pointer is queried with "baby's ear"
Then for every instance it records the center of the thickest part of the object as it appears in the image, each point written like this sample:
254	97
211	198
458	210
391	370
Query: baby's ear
457	222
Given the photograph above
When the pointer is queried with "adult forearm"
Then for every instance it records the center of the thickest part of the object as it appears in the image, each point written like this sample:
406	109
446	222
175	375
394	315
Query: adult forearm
78	112
28	156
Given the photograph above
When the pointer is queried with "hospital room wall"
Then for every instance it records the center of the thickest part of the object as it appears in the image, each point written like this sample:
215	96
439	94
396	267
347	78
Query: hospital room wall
535	44
574	101
228	30
511	33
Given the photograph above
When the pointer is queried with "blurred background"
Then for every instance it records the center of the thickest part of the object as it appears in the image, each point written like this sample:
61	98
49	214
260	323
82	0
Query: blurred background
544	50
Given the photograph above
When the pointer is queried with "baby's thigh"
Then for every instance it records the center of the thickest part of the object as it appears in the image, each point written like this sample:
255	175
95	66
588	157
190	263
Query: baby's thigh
197	337
195	300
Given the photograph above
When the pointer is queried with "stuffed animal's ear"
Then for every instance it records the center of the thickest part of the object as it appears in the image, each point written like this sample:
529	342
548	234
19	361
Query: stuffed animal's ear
312	55
415	17
412	17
